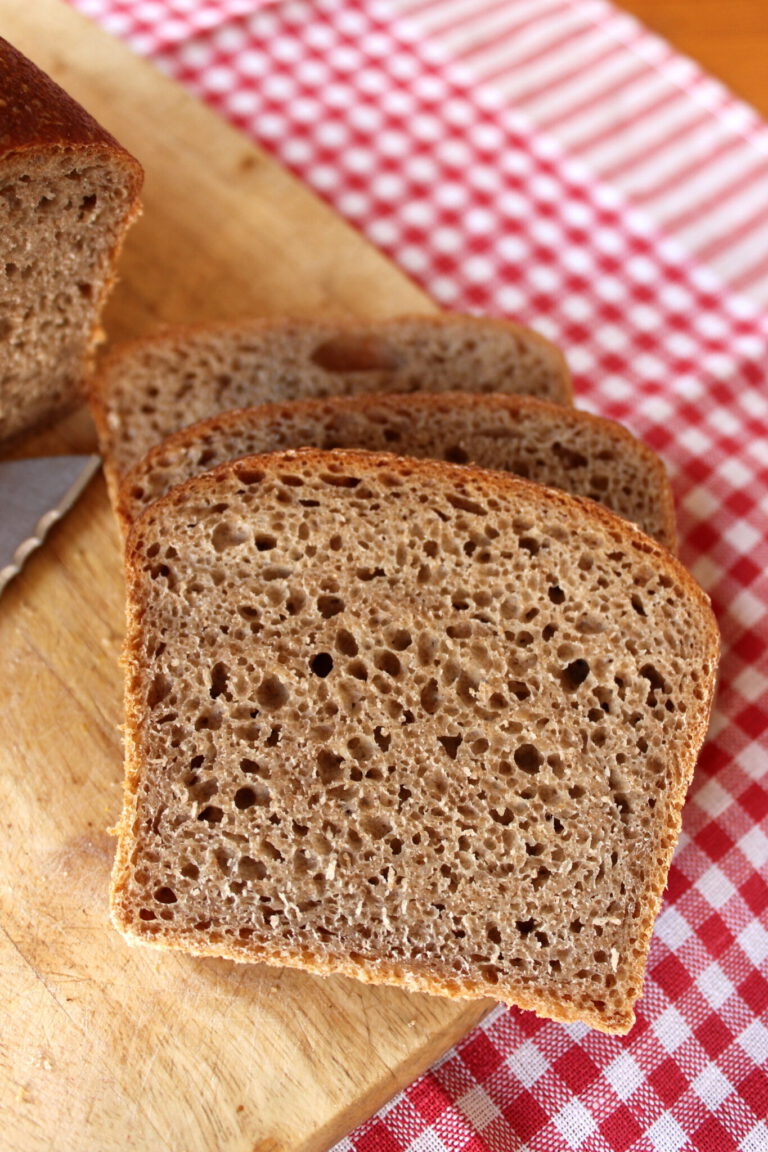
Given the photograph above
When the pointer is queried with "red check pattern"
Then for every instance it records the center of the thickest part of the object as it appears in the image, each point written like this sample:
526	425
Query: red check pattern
490	216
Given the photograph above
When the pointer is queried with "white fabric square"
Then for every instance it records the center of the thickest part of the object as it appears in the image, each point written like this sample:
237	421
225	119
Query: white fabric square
715	887
757	1139
754	1041
624	1076
754	845
714	986
666	1135
575	1123
712	798
478	1107
672	928
527	1063
712	1087
671	1029
754	940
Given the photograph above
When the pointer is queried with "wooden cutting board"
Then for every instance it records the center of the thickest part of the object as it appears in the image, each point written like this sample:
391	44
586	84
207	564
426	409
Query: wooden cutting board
105	1047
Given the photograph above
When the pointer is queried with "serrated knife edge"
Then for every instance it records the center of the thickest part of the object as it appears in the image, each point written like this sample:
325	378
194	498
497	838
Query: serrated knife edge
91	465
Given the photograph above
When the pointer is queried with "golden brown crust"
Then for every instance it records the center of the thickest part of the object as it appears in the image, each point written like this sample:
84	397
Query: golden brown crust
471	482
38	114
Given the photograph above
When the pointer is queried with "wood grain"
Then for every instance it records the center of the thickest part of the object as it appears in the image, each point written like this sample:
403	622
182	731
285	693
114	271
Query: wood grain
729	38
106	1047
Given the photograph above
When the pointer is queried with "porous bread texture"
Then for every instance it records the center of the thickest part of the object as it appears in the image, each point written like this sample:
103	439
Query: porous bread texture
407	721
68	193
152	388
548	443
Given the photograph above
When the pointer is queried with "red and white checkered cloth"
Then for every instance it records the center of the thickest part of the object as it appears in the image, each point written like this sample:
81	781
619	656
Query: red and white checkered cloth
501	153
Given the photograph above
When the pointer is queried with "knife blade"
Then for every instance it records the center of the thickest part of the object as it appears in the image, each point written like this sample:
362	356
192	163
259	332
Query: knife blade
34	494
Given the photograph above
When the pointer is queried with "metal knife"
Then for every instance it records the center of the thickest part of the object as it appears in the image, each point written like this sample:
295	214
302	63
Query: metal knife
34	494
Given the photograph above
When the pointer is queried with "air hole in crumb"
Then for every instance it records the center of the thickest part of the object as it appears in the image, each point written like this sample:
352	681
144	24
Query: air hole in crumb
272	693
369	573
329	606
569	457
246	475
165	896
245	798
336	480
528	757
525	927
226	535
575	674
556	594
353	353
346	643
464	504
191	871
401	639
145	914
530	544
329	766
321	664
387	662
382	738
208	721
158	690
455	454
655	680
211	815
264	542
376	827
451	744
219	680
430	696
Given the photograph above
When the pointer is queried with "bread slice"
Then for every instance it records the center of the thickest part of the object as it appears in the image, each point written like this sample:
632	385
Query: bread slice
152	388
408	721
545	442
68	192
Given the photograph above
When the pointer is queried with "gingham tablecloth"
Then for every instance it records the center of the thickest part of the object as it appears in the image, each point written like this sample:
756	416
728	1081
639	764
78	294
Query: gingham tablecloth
552	161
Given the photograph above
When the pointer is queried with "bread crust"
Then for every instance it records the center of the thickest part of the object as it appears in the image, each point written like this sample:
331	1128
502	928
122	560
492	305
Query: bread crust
472	482
39	114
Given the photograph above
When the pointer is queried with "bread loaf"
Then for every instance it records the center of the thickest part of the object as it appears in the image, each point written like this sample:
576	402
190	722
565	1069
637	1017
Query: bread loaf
68	192
408	721
152	388
545	442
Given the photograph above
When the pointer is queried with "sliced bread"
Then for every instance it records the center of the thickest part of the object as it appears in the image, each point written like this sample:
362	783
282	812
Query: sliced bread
68	192
545	442
407	721
150	389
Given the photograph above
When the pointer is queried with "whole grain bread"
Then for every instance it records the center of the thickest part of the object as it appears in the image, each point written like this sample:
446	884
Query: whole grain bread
548	443
68	192
152	388
408	721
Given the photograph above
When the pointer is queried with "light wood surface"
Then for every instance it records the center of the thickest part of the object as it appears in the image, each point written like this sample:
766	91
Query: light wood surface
105	1047
729	38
